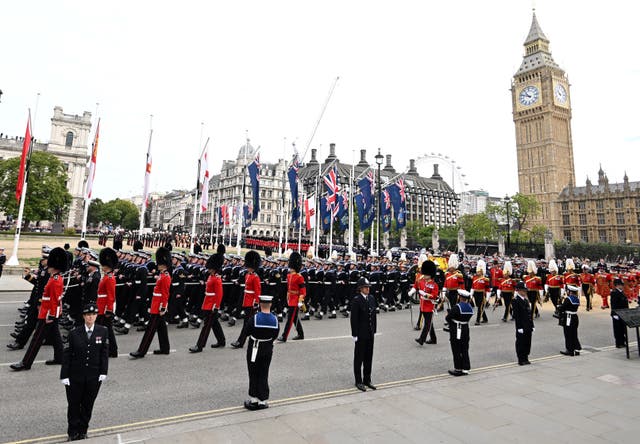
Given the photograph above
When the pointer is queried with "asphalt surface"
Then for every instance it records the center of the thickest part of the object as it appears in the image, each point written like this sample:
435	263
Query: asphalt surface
34	403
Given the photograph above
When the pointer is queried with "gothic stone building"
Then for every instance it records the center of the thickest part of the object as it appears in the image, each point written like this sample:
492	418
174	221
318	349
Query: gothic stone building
69	143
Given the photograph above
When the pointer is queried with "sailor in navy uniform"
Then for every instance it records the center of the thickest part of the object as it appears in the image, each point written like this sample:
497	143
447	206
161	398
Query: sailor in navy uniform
458	319
568	311
262	329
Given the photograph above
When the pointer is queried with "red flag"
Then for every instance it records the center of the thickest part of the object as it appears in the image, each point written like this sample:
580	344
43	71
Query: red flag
92	164
23	160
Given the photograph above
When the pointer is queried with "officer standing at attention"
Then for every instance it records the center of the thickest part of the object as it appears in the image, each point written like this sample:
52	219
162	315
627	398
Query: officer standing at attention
521	312
618	301
262	329
458	319
84	367
568	311
363	329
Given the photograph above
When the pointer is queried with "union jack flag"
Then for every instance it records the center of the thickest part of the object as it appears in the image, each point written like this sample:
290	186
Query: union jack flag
386	199
400	184
331	182
257	162
372	179
345	201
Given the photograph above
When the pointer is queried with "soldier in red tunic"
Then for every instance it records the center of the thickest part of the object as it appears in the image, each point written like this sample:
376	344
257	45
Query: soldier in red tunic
429	293
588	281
211	305
159	305
604	284
507	288
534	286
47	324
296	292
106	300
555	283
480	285
251	294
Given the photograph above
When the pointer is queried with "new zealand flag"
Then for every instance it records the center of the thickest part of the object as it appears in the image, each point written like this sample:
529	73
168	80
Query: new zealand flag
385	211
398	201
254	177
293	185
343	210
325	213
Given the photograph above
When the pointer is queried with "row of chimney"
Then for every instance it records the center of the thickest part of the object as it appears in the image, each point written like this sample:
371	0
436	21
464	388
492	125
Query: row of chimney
364	164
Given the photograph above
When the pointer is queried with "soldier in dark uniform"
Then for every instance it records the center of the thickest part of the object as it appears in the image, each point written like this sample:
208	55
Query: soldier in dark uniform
330	288
618	301
84	367
568	312
178	296
521	312
458	319
363	329
262	329
391	287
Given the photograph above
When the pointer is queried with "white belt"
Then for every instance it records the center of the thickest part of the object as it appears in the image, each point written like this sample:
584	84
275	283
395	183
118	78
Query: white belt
328	283
102	295
157	294
569	314
175	284
137	282
209	294
256	344
459	328
249	291
46	299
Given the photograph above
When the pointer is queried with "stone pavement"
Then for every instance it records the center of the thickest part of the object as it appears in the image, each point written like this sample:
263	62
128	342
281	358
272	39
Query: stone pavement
591	398
14	282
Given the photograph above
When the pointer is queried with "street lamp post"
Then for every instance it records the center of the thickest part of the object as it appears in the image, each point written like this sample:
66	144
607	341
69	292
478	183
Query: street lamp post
378	158
507	201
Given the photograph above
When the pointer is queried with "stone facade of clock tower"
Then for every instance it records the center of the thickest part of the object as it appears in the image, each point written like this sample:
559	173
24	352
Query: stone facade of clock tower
542	117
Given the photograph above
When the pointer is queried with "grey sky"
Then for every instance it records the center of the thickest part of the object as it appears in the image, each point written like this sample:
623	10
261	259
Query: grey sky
416	77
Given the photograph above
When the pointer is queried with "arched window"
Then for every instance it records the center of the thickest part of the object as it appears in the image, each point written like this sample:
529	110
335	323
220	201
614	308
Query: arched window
69	140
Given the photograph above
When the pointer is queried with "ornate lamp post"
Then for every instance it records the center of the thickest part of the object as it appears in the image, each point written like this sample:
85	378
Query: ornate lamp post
507	201
379	157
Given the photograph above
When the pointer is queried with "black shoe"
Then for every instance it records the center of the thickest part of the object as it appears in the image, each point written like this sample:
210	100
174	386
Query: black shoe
332	316
18	366
121	331
456	372
318	315
136	355
392	308
297	338
141	328
16	346
113	355
224	317
231	322
617	346
361	387
484	321
52	362
416	328
567	353
250	405
477	323
524	363
431	341
183	324
371	386
218	345
160	352
195	349
306	317
419	341
345	314
14	335
504	319
281	339
236	344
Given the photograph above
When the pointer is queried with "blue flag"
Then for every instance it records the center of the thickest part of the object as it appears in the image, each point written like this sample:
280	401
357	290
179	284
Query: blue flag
325	214
366	185
220	216
293	185
254	177
246	216
397	194
385	211
343	210
366	215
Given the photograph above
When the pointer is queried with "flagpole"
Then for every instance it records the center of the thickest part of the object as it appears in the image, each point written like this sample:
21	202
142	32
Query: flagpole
351	221
304	196
147	178
217	216
317	215
195	200
286	233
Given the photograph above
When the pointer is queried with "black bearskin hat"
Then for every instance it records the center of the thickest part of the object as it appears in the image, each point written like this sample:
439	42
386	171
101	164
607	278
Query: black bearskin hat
163	256
215	262
428	268
137	245
295	261
268	251
58	260
221	249
83	244
252	260
108	258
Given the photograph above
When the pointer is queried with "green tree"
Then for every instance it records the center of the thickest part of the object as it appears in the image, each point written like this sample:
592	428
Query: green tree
94	215
521	210
47	197
478	226
121	212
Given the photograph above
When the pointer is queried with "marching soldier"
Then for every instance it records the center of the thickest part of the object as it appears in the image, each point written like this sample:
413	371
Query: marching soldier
106	296
458	318
555	282
588	280
453	281
568	311
296	292
522	315
251	294
178	295
618	301
534	287
159	305
262	329
480	285
210	306
429	294
507	287
604	281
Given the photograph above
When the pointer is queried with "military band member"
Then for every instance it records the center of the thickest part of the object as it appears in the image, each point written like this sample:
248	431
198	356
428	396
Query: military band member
159	305
618	301
178	295
522	315
458	318
262	329
251	294
296	292
555	283
496	274
604	282
211	305
588	280
50	308
363	329
429	294
534	287
106	299
507	287
84	368
480	286
568	312
453	281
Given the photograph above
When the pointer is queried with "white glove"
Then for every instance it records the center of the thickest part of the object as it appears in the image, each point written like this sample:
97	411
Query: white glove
101	378
533	331
299	304
521	331
355	338
65	381
412	292
616	317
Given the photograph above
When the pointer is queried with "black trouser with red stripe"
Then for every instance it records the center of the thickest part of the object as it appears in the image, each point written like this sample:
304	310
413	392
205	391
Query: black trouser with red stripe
211	324
44	331
428	328
158	323
292	318
107	321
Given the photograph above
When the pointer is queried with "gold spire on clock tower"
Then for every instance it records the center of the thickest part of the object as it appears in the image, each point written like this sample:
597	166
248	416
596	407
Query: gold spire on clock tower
542	117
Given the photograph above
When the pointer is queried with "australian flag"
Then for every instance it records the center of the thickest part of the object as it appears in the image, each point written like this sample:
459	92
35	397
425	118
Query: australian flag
246	216
325	213
331	183
254	177
343	210
364	215
398	201
385	211
293	185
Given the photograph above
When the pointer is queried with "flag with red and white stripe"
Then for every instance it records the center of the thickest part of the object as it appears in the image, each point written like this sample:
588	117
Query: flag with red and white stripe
204	199
310	212
92	163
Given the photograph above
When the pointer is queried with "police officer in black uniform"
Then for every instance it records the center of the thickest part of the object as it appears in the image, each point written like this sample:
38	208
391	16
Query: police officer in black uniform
458	319
363	329
618	301
521	312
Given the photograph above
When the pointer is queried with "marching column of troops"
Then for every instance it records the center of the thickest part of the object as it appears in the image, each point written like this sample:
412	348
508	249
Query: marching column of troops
135	291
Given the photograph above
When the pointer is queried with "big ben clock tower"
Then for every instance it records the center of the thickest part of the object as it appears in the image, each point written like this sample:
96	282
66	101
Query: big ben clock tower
542	117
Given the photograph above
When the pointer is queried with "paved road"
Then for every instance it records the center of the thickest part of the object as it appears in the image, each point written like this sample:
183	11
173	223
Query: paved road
34	403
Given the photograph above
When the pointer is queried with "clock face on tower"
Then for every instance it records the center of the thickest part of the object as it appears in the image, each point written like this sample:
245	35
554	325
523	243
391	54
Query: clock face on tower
529	95
560	94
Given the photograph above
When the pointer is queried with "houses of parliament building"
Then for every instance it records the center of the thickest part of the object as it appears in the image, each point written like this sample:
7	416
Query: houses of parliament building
541	100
